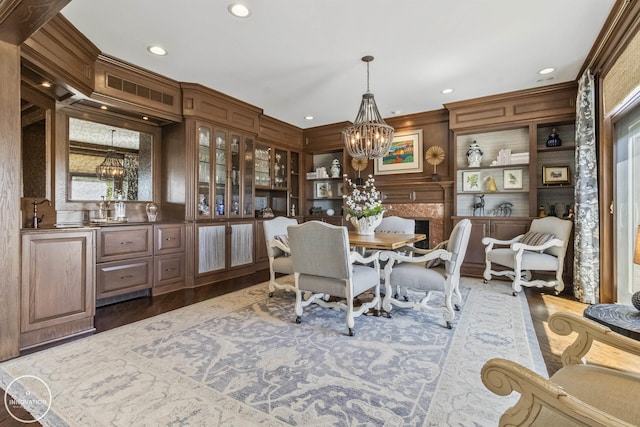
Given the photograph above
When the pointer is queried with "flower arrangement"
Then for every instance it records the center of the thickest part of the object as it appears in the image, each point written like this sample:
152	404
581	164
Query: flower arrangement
363	202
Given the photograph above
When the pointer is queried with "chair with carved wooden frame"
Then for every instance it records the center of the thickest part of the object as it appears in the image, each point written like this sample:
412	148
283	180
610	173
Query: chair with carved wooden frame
325	269
578	394
416	274
542	248
279	253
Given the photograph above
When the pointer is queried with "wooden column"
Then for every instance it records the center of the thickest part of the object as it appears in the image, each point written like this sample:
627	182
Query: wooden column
9	200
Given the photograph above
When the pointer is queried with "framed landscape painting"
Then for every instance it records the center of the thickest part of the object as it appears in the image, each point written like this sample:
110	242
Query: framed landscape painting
404	156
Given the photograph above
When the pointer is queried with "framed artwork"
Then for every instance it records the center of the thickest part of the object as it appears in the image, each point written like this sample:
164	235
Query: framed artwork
555	175
471	181
322	190
404	156
512	179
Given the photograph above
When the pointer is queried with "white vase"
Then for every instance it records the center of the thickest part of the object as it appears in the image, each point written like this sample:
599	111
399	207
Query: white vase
366	225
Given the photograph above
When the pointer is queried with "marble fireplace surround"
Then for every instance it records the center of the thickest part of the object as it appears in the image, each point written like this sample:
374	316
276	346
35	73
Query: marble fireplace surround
433	212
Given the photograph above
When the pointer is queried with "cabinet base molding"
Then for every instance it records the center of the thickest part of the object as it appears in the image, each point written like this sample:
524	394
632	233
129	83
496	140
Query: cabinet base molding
55	333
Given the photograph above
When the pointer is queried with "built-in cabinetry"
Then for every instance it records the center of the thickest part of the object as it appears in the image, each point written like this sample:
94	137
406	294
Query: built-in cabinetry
57	295
273	168
224	174
168	257
124	260
508	188
325	186
223	246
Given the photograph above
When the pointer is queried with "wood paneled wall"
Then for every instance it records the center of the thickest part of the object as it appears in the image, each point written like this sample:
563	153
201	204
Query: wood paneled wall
10	200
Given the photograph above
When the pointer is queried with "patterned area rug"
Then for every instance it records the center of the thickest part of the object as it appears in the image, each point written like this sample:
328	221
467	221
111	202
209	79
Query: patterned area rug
240	359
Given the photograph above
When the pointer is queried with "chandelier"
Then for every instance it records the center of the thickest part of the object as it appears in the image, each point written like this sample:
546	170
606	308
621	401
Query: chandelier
111	167
369	136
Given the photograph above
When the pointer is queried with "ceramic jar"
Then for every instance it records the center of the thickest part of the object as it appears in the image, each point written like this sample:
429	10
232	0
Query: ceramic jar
474	155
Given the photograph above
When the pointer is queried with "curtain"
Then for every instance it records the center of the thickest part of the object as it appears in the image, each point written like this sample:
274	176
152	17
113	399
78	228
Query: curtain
586	269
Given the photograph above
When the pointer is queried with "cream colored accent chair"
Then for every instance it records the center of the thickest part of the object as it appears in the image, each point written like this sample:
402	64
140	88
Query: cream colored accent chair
279	254
521	259
412	274
324	267
578	394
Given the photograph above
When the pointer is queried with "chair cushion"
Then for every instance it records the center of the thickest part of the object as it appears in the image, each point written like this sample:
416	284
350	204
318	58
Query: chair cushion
532	238
284	239
612	391
530	260
283	264
363	279
416	277
437	261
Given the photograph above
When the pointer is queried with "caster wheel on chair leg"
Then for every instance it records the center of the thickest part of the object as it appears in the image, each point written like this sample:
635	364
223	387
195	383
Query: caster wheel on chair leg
515	294
270	294
456	307
485	281
298	319
448	325
351	332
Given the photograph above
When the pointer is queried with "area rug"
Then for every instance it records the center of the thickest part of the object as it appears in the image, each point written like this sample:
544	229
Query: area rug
241	360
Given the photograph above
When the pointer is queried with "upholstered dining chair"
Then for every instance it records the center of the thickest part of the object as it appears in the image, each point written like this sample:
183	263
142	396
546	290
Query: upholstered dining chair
417	274
542	248
578	394
275	236
324	266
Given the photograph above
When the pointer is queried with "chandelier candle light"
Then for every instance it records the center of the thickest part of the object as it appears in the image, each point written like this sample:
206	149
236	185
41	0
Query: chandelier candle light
111	167
363	206
369	136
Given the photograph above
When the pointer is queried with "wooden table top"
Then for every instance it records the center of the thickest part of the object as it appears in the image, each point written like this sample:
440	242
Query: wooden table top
388	241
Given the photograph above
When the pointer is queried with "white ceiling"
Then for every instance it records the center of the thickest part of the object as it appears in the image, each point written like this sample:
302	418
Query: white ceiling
294	58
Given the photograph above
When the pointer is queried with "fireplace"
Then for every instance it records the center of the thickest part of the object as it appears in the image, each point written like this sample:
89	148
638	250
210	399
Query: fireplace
422	227
429	219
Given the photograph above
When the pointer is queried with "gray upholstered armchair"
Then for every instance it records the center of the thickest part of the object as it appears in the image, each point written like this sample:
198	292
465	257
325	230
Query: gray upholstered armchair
275	235
416	274
324	267
543	248
578	394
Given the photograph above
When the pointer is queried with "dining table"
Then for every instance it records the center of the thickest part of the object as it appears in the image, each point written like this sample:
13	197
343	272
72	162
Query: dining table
384	241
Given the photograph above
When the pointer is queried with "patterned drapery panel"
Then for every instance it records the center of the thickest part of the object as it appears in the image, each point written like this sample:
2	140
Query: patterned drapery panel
586	273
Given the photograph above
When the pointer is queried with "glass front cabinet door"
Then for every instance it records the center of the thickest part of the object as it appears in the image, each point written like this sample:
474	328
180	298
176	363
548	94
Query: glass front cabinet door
225	174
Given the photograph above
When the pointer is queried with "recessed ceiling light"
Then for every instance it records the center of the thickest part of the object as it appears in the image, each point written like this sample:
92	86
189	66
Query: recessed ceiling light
446	91
396	112
239	10
547	70
145	118
308	117
157	50
46	84
103	107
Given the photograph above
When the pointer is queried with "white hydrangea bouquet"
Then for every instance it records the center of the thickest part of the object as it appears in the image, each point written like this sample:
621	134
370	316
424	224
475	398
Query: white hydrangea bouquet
363	202
363	206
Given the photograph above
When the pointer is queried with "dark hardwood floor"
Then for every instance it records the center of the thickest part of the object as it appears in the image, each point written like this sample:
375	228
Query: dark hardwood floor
541	305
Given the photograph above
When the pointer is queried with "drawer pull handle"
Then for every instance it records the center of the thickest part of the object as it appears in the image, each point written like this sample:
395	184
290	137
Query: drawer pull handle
167	239
126	243
126	277
170	269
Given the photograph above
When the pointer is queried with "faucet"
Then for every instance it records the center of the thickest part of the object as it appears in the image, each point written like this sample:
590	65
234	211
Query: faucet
35	204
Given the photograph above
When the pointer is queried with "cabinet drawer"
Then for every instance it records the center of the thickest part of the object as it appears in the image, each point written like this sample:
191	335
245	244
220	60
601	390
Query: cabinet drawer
121	277
168	269
169	239
124	242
